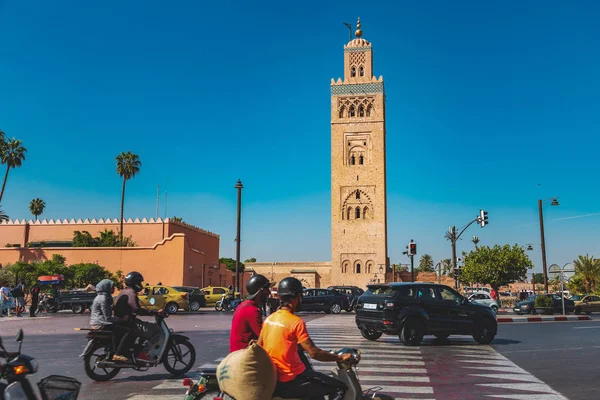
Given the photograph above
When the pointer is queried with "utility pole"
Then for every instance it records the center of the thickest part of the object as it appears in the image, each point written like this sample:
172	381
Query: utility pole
454	239
239	188
439	267
543	246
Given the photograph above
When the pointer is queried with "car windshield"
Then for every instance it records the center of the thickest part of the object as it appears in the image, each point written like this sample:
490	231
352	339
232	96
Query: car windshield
577	297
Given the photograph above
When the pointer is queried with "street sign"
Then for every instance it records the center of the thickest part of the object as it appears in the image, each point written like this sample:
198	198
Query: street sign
568	271
554	271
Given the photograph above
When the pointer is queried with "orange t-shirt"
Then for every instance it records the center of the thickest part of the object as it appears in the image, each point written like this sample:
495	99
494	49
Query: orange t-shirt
281	332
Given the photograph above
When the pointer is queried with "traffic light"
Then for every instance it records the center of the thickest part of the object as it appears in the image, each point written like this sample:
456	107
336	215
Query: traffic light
483	218
456	272
412	248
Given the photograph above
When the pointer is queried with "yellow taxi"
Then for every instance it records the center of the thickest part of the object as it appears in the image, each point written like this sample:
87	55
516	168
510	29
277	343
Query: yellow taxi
212	294
157	297
586	304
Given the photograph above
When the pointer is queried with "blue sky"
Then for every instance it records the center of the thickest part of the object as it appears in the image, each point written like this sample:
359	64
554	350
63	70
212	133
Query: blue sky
485	102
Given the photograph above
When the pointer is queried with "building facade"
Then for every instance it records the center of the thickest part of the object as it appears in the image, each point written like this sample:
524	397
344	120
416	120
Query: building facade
166	251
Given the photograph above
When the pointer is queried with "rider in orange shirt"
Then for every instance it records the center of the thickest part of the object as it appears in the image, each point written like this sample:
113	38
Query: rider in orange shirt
281	333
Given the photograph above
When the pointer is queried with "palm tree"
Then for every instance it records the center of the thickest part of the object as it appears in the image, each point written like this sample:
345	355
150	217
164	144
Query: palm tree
475	241
588	268
12	155
426	263
3	216
447	266
128	165
36	206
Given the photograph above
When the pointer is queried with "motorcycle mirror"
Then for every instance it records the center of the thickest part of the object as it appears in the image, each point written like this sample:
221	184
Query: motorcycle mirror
1	342
20	335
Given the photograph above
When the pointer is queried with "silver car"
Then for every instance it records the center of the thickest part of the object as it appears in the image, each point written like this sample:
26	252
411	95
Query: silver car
485	299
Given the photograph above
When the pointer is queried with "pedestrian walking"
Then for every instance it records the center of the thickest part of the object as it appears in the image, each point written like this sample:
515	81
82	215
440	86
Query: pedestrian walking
35	297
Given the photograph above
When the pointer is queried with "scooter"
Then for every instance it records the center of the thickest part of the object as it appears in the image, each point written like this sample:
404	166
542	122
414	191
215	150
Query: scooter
155	344
227	304
207	387
17	386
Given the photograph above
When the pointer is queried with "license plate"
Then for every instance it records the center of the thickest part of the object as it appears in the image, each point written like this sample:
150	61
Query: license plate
369	306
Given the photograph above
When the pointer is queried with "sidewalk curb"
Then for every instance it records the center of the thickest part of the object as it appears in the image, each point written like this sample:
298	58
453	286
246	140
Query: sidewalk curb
544	319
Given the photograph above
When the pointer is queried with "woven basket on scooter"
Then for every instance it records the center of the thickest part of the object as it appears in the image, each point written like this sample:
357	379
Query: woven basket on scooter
248	374
56	387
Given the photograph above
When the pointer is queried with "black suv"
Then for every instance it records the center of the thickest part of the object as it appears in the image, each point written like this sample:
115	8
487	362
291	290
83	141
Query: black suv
325	300
353	293
412	310
196	297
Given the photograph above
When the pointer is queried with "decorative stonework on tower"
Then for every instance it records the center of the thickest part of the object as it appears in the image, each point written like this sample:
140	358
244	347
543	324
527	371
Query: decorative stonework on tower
358	170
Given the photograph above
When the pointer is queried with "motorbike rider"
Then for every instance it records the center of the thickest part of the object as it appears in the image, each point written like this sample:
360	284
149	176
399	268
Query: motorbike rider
281	333
102	317
127	305
247	318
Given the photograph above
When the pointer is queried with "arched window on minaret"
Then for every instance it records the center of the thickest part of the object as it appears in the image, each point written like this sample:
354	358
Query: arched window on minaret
361	160
361	111
358	268
369	110
342	111
361	71
348	212
357	213
352	160
365	212
358	194
353	72
352	112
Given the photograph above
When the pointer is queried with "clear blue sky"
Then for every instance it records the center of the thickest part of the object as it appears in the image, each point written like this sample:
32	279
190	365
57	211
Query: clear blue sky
485	100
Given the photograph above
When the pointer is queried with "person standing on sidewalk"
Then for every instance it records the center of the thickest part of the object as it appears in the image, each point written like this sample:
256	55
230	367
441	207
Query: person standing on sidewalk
4	299
35	297
18	293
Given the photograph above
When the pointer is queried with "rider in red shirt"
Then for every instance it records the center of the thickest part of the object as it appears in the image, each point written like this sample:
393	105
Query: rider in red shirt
247	318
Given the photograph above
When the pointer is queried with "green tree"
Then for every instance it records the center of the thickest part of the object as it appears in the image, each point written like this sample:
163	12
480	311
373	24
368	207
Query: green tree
250	260
12	155
400	268
176	219
128	166
84	239
447	267
108	238
36	206
496	266
588	269
3	216
88	273
119	279
475	241
538	278
426	264
230	262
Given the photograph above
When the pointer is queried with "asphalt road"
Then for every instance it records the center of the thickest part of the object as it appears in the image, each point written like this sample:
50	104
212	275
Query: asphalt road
563	354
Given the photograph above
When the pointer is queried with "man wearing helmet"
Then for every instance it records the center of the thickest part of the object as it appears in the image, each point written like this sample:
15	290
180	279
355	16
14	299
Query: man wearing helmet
247	318
127	306
281	333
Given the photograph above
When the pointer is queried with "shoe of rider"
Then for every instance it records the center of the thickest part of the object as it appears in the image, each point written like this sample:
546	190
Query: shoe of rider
281	334
247	318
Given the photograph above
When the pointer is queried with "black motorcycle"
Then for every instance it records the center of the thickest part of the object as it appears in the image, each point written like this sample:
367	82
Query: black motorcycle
154	344
17	386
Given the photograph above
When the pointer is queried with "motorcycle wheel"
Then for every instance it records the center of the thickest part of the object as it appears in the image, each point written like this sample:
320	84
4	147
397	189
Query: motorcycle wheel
98	353
177	352
219	306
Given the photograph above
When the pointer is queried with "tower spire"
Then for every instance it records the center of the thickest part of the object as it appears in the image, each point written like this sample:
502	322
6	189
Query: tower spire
358	32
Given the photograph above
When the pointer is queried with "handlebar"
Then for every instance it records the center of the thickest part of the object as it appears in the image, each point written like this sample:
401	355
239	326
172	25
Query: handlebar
355	353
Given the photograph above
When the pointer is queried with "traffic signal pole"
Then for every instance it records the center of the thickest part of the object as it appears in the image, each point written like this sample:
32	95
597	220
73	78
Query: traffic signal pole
483	220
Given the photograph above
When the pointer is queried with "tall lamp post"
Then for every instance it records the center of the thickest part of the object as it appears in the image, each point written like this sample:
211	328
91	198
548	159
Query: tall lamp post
553	202
239	188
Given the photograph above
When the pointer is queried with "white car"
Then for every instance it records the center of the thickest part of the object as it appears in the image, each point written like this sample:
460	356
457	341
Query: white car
485	299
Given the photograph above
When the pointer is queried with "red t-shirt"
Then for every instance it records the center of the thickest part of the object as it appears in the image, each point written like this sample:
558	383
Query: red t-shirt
245	326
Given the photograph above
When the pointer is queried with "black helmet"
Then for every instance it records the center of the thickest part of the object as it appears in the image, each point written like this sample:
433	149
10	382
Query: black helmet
289	287
255	284
134	280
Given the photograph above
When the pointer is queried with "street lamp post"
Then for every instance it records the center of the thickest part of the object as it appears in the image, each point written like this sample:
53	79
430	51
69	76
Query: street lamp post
239	188
543	244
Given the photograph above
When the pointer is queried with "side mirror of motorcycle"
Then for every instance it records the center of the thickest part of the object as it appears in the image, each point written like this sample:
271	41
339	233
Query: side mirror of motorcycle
20	337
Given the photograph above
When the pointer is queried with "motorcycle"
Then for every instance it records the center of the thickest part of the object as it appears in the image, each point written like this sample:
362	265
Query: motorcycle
227	303
155	344
207	386
15	371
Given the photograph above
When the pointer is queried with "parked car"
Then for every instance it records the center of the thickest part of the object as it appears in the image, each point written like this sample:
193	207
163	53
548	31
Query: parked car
587	304
212	294
165	298
196	297
412	310
353	293
76	300
485	299
528	306
328	301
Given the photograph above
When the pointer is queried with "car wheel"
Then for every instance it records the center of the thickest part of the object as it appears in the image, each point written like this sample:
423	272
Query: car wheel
412	332
494	309
172	308
370	335
194	306
442	336
588	312
483	333
78	309
335	308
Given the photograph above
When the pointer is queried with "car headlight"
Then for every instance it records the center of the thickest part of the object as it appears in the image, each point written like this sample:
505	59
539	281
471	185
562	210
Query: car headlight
525	306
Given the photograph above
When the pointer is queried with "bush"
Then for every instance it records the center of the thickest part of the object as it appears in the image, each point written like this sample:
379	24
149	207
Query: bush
543	301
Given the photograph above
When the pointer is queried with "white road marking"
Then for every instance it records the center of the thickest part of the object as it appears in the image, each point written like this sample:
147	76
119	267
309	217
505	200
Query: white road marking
534	387
513	377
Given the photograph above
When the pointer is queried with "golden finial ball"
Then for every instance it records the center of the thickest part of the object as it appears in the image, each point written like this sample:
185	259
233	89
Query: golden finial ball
358	32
